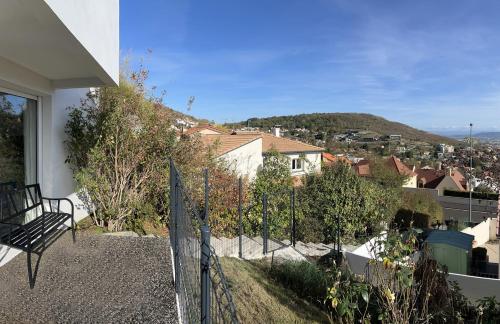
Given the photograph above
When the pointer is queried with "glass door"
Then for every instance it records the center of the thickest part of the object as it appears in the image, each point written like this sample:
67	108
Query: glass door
18	140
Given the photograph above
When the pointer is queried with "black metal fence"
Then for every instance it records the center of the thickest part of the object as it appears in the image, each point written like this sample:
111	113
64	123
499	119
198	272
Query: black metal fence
200	284
265	223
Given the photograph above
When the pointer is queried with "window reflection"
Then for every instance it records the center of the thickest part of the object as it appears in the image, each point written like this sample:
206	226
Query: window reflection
18	128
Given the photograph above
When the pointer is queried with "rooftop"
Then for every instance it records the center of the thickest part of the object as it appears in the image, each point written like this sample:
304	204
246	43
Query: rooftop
453	238
224	143
285	145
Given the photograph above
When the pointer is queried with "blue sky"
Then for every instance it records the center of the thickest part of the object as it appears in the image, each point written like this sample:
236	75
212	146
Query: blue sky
430	64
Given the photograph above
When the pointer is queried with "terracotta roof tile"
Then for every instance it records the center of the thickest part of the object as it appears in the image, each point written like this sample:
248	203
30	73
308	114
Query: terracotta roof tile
396	164
285	145
225	143
329	158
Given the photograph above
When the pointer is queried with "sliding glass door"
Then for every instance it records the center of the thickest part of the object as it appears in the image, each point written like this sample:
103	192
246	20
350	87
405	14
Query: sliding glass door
18	139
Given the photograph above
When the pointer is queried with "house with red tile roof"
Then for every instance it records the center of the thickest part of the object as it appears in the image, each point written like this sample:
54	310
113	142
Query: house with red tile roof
242	152
304	158
246	151
362	168
328	159
450	179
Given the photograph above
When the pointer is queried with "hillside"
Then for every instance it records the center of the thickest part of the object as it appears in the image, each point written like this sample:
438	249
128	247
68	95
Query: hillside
333	123
488	135
259	299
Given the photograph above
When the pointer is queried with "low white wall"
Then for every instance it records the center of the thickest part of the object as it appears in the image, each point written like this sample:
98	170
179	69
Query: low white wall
472	287
476	287
357	263
482	232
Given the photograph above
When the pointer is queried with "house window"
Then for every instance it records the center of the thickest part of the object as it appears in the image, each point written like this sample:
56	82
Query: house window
18	139
297	164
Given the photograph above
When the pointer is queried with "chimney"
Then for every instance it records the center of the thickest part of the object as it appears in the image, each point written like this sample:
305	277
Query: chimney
440	166
276	131
449	171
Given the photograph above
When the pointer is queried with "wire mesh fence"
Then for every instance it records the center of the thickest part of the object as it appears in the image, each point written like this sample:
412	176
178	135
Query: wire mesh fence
267	222
200	284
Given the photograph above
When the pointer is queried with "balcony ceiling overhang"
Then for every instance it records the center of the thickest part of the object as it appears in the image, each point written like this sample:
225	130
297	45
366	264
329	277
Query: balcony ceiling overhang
34	37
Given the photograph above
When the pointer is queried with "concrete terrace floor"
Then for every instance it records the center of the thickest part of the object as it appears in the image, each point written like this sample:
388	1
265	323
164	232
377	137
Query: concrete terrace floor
99	279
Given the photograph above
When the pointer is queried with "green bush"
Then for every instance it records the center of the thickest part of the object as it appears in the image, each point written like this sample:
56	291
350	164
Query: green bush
475	195
310	229
305	279
120	141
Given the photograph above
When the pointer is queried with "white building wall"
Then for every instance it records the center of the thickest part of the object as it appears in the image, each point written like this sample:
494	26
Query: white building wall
85	22
411	182
247	159
311	163
55	177
483	232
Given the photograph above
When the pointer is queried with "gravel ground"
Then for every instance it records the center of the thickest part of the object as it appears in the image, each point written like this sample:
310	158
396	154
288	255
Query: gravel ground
99	279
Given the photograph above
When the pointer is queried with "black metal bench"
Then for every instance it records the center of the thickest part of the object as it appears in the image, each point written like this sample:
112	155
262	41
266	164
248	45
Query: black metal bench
31	222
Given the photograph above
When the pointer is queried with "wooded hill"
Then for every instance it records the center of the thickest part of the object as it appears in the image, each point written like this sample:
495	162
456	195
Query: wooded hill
334	123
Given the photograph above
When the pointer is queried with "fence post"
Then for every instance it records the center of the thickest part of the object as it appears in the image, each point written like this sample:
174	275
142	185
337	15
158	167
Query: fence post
339	253
175	216
293	218
264	223
205	260
240	214
205	274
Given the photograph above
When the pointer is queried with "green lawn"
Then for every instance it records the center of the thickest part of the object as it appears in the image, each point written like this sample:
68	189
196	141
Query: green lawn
259	299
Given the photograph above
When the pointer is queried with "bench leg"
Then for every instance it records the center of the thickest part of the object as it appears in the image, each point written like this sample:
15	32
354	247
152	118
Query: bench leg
30	270
73	230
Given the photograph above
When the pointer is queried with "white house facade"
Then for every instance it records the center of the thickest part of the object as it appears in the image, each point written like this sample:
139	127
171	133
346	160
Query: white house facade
247	159
52	53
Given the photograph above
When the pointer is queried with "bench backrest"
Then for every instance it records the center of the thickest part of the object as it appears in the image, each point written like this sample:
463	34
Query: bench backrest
20	204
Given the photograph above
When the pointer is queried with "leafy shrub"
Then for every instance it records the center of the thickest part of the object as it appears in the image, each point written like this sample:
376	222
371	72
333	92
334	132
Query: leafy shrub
310	229
338	192
475	195
275	181
119	143
419	209
305	279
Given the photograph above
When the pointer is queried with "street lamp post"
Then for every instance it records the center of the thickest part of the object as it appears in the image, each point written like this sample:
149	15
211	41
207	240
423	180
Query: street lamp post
470	176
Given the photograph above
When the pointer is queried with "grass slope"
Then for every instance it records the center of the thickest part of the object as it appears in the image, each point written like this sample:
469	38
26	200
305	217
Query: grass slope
341	122
259	299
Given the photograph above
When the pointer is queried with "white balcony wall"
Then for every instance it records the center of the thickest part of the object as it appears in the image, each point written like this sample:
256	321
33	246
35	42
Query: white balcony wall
93	23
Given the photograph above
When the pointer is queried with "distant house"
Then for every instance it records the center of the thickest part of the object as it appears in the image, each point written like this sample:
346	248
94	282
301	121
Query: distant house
402	169
362	168
246	151
445	148
328	159
395	137
441	180
304	158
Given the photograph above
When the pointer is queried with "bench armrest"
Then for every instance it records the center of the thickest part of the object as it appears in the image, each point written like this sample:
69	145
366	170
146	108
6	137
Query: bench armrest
59	200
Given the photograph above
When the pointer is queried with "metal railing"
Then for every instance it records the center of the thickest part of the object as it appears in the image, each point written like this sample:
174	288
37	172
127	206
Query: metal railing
200	284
